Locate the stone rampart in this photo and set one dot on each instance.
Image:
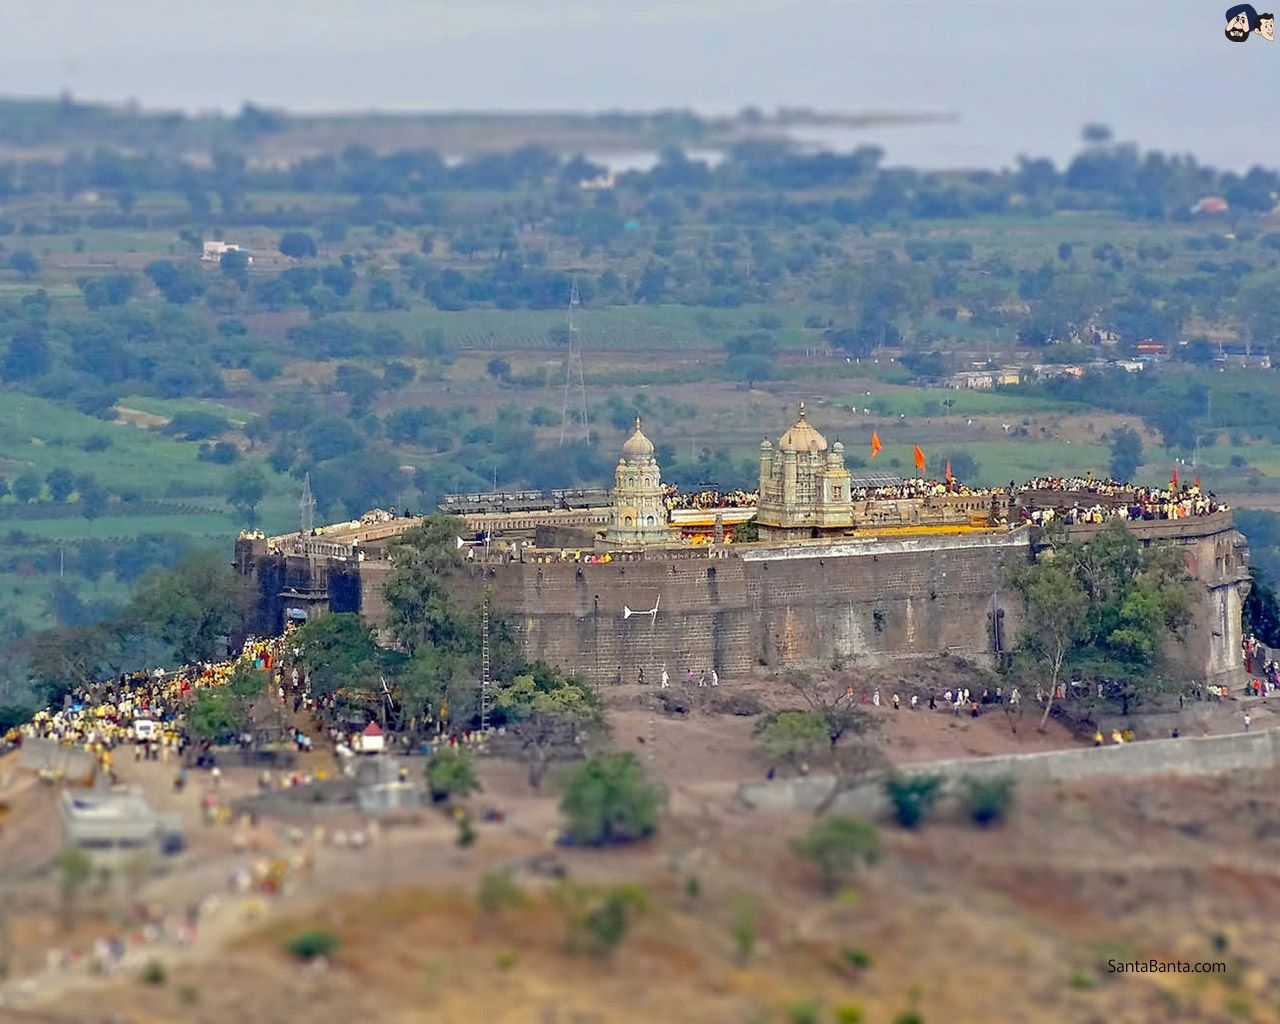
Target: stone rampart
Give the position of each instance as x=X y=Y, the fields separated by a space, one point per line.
x=1211 y=755
x=737 y=608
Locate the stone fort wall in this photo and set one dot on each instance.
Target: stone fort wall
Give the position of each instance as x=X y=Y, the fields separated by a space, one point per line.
x=736 y=610
x=741 y=608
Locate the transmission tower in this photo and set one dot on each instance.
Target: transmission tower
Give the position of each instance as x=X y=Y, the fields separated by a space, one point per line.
x=307 y=506
x=573 y=375
x=484 y=666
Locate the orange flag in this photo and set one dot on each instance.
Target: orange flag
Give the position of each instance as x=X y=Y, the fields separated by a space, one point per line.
x=950 y=478
x=875 y=444
x=1173 y=480
x=919 y=459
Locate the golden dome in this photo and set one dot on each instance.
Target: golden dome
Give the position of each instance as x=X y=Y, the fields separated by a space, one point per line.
x=637 y=447
x=802 y=437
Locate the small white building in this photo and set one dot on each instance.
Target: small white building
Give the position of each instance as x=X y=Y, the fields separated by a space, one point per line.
x=371 y=741
x=214 y=251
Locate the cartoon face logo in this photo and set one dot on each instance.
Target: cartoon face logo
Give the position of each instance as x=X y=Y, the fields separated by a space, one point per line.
x=1267 y=27
x=1241 y=19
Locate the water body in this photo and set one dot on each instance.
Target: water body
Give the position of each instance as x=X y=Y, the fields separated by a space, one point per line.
x=1022 y=77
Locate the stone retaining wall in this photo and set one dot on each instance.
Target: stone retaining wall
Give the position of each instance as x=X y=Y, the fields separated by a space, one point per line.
x=1211 y=755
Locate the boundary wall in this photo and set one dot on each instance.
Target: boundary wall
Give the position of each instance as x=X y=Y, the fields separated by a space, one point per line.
x=1186 y=756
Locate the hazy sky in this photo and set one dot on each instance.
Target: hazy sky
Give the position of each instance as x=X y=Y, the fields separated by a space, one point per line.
x=1023 y=77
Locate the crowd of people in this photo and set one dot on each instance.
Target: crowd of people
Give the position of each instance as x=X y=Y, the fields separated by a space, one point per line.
x=674 y=499
x=1111 y=498
x=145 y=709
x=1141 y=504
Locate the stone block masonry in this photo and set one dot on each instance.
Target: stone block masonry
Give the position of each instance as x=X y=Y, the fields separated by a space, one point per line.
x=738 y=609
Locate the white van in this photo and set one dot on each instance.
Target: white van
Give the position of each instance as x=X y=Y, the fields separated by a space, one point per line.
x=145 y=730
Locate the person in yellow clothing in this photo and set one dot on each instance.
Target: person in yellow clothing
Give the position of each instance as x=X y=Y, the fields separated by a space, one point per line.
x=1097 y=738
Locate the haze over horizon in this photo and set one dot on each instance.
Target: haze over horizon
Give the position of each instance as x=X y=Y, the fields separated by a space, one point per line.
x=1021 y=78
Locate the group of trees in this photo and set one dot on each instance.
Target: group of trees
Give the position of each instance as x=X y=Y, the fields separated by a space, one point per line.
x=1105 y=612
x=433 y=670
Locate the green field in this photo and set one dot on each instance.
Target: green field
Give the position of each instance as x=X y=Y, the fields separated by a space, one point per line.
x=170 y=407
x=612 y=328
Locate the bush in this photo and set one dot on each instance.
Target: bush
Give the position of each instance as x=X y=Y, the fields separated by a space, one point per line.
x=912 y=797
x=450 y=775
x=808 y=1012
x=857 y=957
x=849 y=1013
x=837 y=847
x=498 y=891
x=610 y=800
x=987 y=801
x=310 y=945
x=746 y=926
x=154 y=973
x=597 y=920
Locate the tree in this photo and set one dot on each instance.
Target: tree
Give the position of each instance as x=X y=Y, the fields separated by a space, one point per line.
x=608 y=800
x=419 y=609
x=597 y=919
x=337 y=650
x=912 y=797
x=834 y=709
x=216 y=716
x=1055 y=606
x=987 y=801
x=837 y=847
x=27 y=356
x=246 y=487
x=62 y=659
x=24 y=263
x=93 y=500
x=792 y=736
x=27 y=487
x=1120 y=609
x=1262 y=611
x=1094 y=134
x=194 y=607
x=359 y=385
x=549 y=715
x=234 y=263
x=833 y=705
x=297 y=244
x=963 y=465
x=450 y=775
x=179 y=283
x=1126 y=453
x=61 y=482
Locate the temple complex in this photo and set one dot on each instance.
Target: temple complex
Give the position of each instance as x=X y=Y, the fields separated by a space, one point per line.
x=818 y=564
